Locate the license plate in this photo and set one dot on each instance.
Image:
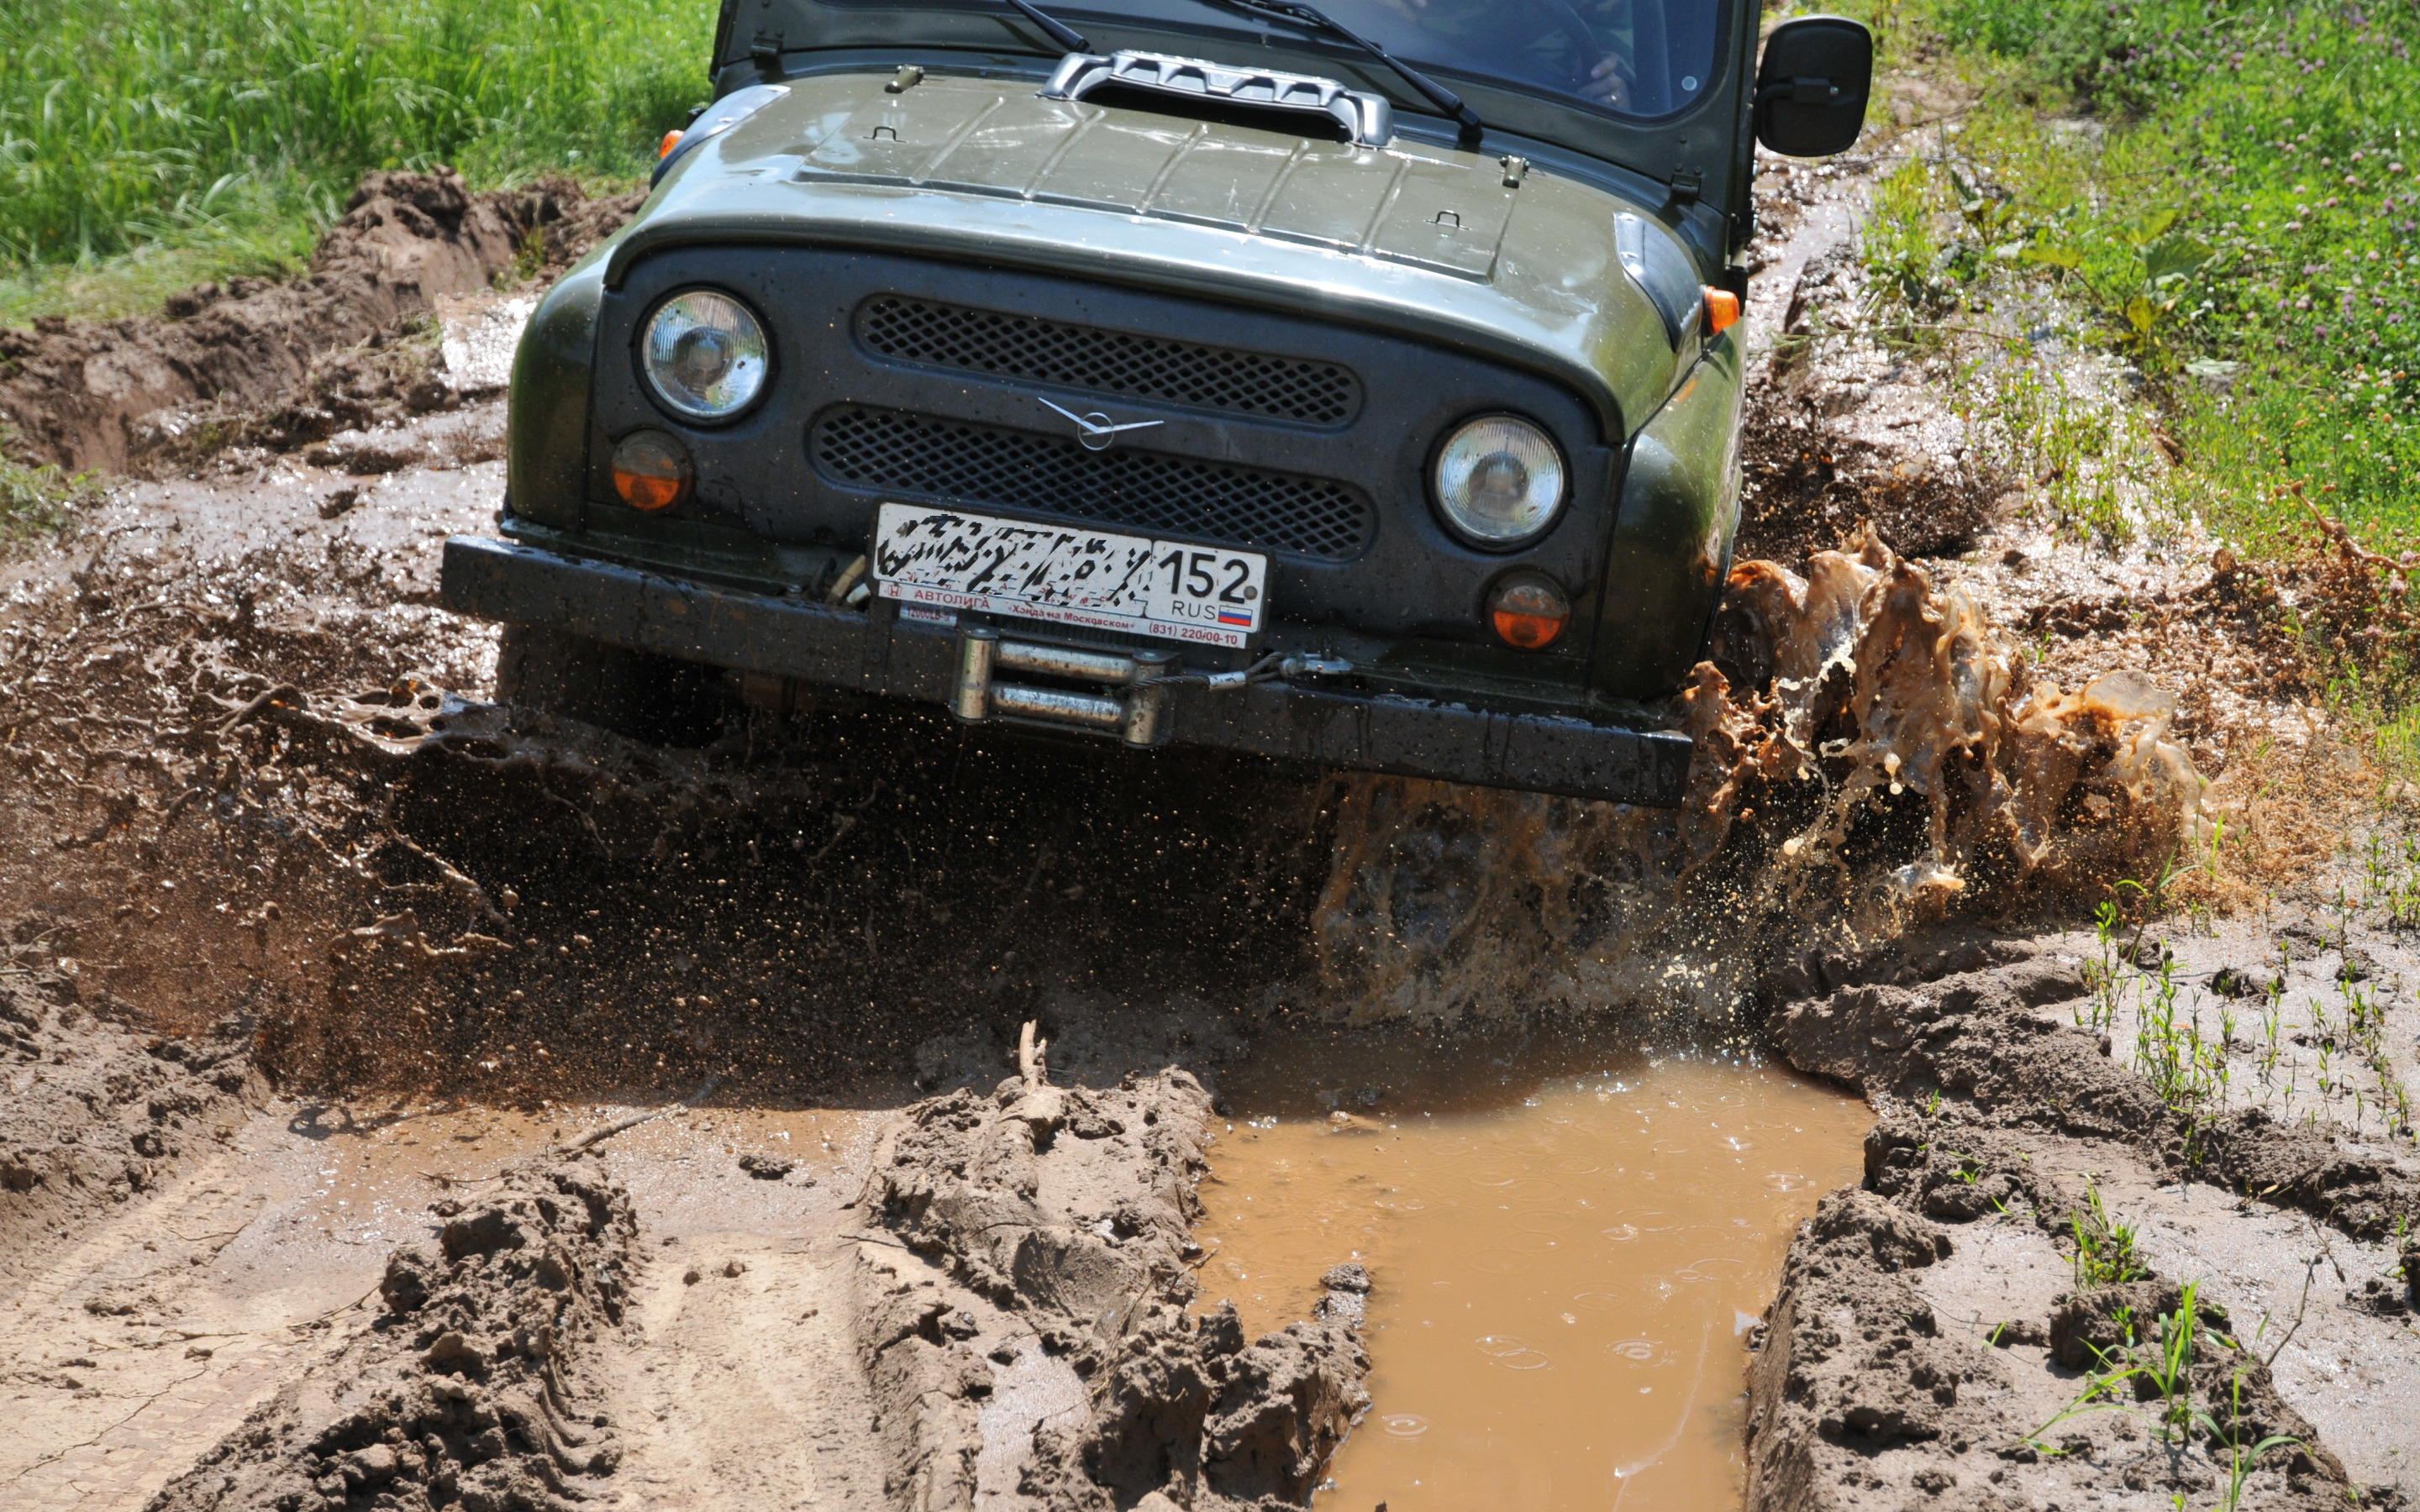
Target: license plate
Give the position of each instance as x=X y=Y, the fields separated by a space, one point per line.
x=1066 y=575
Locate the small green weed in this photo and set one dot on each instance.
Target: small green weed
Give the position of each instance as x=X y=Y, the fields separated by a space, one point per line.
x=2105 y=1251
x=2239 y=1461
x=2161 y=1367
x=38 y=501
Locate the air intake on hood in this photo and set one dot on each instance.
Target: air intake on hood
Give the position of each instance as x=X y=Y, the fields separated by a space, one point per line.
x=1218 y=91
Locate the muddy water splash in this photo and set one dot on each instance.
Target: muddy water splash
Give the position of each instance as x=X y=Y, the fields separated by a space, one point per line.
x=1870 y=753
x=1566 y=1254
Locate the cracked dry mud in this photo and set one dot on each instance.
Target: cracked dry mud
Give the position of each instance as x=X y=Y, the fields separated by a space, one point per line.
x=313 y=962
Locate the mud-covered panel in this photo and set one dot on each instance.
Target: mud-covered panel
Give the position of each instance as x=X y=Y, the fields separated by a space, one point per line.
x=1672 y=539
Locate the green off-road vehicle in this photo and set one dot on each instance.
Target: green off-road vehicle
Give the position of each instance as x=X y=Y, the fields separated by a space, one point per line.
x=1355 y=386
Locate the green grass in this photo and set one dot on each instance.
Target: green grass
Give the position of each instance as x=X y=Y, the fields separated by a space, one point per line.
x=2221 y=200
x=271 y=245
x=2229 y=195
x=147 y=143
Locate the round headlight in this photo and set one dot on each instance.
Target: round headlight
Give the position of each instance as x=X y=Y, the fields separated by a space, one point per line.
x=706 y=355
x=1499 y=482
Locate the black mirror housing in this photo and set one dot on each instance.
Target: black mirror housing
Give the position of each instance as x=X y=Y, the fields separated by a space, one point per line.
x=1812 y=87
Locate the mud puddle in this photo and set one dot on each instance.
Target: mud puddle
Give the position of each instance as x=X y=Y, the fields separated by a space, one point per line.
x=1568 y=1245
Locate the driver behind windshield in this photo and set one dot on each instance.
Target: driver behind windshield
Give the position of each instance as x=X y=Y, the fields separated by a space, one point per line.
x=1640 y=58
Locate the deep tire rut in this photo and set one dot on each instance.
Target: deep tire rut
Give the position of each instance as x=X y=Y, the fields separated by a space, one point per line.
x=165 y=1358
x=716 y=1389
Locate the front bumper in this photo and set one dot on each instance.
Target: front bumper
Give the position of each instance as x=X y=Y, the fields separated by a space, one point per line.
x=879 y=654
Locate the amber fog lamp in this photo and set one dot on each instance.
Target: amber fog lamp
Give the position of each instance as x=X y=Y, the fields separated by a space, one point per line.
x=1530 y=611
x=651 y=470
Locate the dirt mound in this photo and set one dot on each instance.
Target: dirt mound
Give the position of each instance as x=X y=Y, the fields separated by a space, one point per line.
x=97 y=1112
x=470 y=1390
x=1046 y=1261
x=1998 y=1107
x=309 y=357
x=1992 y=1038
x=1858 y=1399
x=2295 y=1165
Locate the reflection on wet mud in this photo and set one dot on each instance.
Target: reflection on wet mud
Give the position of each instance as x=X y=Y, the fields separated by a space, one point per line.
x=369 y=1180
x=1567 y=1247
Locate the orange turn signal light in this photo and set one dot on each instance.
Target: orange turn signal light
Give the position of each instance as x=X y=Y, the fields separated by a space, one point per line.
x=651 y=470
x=1530 y=611
x=1722 y=311
x=671 y=140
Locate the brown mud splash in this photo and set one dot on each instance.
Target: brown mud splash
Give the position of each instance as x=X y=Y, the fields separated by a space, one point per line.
x=286 y=363
x=1870 y=754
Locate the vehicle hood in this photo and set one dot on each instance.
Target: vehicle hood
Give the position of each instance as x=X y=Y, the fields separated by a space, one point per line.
x=1512 y=261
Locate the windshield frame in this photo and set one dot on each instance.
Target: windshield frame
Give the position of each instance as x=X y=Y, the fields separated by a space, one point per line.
x=993 y=26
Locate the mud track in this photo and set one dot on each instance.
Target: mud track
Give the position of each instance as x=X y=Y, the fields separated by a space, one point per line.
x=318 y=968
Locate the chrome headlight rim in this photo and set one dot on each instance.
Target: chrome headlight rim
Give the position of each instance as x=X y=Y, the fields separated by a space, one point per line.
x=1480 y=540
x=671 y=399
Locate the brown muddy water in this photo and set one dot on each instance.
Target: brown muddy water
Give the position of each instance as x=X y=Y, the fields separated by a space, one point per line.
x=1568 y=1249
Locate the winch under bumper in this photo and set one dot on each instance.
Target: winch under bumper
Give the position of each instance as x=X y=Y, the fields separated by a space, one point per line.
x=1136 y=698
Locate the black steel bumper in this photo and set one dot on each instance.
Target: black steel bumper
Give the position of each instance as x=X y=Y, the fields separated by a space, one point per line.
x=878 y=653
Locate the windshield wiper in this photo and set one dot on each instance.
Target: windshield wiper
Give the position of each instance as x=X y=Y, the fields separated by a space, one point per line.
x=1445 y=99
x=1056 y=30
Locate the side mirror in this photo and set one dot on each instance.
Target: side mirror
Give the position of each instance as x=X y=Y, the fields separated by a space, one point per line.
x=1810 y=89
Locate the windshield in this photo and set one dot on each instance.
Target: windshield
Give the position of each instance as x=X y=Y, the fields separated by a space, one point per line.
x=1633 y=58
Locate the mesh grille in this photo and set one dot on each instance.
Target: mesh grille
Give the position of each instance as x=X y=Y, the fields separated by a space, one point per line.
x=974 y=465
x=1108 y=362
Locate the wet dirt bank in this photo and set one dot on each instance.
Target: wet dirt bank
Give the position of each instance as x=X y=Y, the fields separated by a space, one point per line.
x=1943 y=1323
x=280 y=364
x=980 y=1298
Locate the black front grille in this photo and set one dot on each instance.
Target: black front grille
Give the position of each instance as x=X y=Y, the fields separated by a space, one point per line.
x=1108 y=362
x=856 y=447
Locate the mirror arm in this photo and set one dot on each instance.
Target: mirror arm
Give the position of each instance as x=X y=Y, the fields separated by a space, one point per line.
x=1801 y=91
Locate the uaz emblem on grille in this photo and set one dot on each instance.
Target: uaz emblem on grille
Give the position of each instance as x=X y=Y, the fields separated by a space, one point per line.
x=1095 y=431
